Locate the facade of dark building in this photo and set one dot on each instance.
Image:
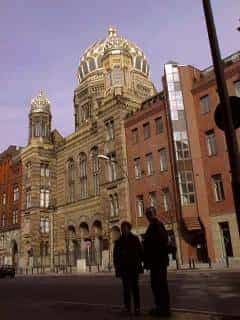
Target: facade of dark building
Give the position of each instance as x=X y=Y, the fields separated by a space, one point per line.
x=10 y=205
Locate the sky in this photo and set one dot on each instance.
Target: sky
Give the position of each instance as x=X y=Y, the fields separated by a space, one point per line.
x=41 y=43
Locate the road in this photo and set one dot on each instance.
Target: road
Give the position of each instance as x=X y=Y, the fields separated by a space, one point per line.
x=57 y=297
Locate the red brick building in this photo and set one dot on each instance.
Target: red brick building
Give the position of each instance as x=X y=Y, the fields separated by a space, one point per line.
x=197 y=161
x=149 y=164
x=10 y=205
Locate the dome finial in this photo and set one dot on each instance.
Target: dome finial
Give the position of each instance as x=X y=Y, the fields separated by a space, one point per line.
x=112 y=31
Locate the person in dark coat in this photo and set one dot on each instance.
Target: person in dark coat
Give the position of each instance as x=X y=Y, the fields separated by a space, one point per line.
x=127 y=257
x=155 y=245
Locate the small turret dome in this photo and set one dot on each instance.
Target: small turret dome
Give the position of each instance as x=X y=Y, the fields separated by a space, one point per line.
x=40 y=104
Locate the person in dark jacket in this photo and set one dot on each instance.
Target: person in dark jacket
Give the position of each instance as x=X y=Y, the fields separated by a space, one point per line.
x=127 y=256
x=155 y=245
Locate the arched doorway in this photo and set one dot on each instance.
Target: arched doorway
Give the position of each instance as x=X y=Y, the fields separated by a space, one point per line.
x=72 y=247
x=14 y=249
x=85 y=242
x=97 y=243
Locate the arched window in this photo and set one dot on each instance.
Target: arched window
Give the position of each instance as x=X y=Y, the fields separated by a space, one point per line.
x=99 y=61
x=85 y=111
x=112 y=208
x=71 y=175
x=85 y=67
x=138 y=62
x=95 y=170
x=117 y=76
x=144 y=66
x=80 y=72
x=91 y=63
x=114 y=205
x=83 y=175
x=38 y=129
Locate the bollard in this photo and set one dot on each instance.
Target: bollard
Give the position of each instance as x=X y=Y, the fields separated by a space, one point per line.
x=193 y=263
x=190 y=264
x=227 y=261
x=209 y=263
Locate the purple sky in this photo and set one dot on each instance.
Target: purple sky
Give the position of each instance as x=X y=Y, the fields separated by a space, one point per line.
x=41 y=43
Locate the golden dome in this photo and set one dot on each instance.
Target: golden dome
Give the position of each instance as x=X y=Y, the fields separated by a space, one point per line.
x=91 y=60
x=40 y=103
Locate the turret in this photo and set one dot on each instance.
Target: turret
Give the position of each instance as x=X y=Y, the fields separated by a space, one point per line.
x=40 y=119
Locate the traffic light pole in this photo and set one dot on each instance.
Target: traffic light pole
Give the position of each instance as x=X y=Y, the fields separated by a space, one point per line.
x=229 y=130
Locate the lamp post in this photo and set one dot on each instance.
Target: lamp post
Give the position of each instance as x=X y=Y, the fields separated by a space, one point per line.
x=230 y=133
x=66 y=245
x=169 y=209
x=125 y=174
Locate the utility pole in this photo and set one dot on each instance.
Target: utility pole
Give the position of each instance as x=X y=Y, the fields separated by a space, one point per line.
x=229 y=130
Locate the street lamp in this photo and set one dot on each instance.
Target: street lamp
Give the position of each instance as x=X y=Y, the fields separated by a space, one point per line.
x=125 y=173
x=66 y=245
x=230 y=133
x=169 y=208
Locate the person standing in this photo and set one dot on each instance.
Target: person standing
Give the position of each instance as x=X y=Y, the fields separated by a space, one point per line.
x=127 y=258
x=155 y=245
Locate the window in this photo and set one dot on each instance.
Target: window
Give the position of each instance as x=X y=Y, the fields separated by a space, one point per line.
x=44 y=225
x=15 y=217
x=44 y=198
x=218 y=187
x=149 y=159
x=140 y=206
x=204 y=104
x=28 y=198
x=237 y=88
x=163 y=159
x=110 y=134
x=137 y=166
x=85 y=112
x=112 y=208
x=159 y=125
x=15 y=193
x=153 y=199
x=166 y=199
x=71 y=178
x=95 y=170
x=3 y=220
x=83 y=175
x=186 y=187
x=117 y=76
x=4 y=199
x=28 y=170
x=114 y=205
x=146 y=130
x=44 y=170
x=211 y=142
x=135 y=136
x=112 y=172
x=71 y=170
x=181 y=145
x=38 y=129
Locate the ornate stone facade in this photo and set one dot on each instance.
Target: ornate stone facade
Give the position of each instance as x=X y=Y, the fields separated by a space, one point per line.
x=72 y=197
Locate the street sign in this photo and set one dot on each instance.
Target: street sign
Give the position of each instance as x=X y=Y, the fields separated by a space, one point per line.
x=235 y=107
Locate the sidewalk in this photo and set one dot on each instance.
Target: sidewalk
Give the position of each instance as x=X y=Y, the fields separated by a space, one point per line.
x=90 y=312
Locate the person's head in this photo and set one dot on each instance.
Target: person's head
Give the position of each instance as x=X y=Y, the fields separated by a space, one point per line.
x=126 y=228
x=151 y=214
x=116 y=233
